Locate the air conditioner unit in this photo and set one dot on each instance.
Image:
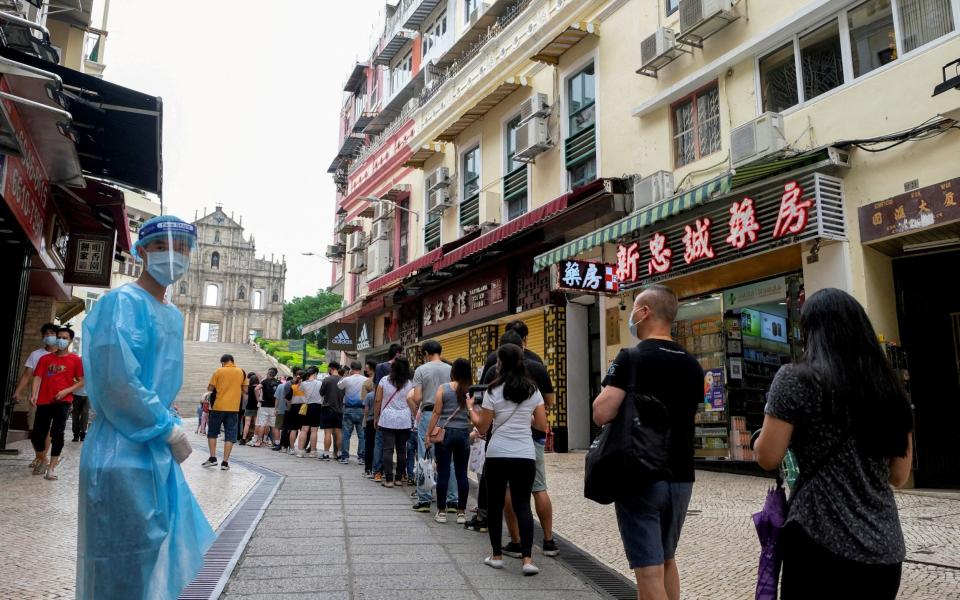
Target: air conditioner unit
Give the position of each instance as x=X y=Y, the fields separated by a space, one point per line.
x=356 y=242
x=438 y=200
x=379 y=259
x=334 y=252
x=490 y=209
x=757 y=139
x=380 y=211
x=357 y=262
x=658 y=49
x=533 y=137
x=438 y=178
x=700 y=19
x=534 y=106
x=382 y=229
x=652 y=189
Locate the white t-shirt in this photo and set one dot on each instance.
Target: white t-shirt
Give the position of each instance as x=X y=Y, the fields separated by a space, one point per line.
x=351 y=386
x=394 y=411
x=34 y=358
x=511 y=425
x=311 y=391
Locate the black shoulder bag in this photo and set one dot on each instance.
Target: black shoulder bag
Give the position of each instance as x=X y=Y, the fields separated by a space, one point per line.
x=630 y=451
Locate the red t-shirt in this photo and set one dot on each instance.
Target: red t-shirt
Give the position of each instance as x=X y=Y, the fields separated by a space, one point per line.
x=57 y=373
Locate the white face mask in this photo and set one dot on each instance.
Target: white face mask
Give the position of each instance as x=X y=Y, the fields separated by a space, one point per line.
x=167 y=267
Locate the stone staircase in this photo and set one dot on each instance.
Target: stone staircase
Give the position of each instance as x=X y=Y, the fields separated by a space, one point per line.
x=201 y=359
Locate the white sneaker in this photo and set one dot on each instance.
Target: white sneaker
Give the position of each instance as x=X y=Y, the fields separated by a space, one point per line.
x=441 y=517
x=461 y=518
x=530 y=569
x=290 y=451
x=493 y=563
x=301 y=454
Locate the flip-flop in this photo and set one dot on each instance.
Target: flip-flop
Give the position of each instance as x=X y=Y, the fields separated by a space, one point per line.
x=50 y=477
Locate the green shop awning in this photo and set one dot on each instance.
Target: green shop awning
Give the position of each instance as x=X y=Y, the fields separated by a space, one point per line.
x=618 y=229
x=756 y=171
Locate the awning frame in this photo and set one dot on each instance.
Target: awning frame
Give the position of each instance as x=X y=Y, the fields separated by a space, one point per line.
x=479 y=109
x=551 y=52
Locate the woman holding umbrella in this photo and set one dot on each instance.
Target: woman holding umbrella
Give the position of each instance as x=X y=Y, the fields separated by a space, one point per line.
x=844 y=414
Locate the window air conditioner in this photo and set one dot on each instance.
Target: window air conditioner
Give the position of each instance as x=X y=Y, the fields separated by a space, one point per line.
x=534 y=106
x=757 y=139
x=652 y=189
x=490 y=207
x=438 y=178
x=380 y=211
x=658 y=49
x=382 y=229
x=703 y=18
x=356 y=242
x=533 y=137
x=379 y=259
x=438 y=200
x=357 y=262
x=335 y=252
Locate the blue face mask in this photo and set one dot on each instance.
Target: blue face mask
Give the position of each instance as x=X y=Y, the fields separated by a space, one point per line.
x=62 y=344
x=632 y=326
x=50 y=340
x=167 y=267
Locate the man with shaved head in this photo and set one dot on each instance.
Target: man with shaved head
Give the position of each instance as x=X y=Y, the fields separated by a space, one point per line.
x=650 y=521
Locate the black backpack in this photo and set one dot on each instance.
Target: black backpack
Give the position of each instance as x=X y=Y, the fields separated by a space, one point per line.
x=630 y=451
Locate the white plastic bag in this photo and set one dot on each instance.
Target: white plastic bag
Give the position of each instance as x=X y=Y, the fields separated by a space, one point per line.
x=425 y=473
x=478 y=454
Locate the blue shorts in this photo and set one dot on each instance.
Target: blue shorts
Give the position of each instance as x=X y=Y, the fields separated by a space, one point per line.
x=230 y=421
x=650 y=523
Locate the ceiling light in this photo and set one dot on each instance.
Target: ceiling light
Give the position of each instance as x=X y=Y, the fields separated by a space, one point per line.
x=6 y=231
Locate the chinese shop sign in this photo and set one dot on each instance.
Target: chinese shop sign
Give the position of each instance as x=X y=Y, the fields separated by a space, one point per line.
x=468 y=301
x=89 y=259
x=919 y=209
x=787 y=213
x=585 y=276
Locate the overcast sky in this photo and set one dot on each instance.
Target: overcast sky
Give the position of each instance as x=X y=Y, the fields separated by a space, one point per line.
x=251 y=93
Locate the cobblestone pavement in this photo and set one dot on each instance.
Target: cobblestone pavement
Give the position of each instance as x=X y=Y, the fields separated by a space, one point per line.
x=331 y=534
x=718 y=548
x=38 y=519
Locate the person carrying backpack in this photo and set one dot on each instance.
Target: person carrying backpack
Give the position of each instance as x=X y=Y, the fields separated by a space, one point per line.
x=650 y=514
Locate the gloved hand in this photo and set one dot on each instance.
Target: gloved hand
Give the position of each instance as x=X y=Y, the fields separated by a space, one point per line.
x=179 y=444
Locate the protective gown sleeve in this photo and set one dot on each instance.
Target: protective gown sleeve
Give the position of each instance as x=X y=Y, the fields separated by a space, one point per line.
x=118 y=330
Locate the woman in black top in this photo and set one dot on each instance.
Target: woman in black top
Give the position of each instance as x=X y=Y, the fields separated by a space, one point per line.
x=250 y=408
x=845 y=415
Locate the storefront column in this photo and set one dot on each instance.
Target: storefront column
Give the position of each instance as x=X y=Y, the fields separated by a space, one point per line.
x=833 y=268
x=556 y=363
x=578 y=372
x=483 y=341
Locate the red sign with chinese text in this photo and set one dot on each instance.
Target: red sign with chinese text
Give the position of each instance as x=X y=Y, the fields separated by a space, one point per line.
x=24 y=181
x=468 y=301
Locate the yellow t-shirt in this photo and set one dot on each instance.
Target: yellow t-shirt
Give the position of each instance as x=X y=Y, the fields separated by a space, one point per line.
x=229 y=382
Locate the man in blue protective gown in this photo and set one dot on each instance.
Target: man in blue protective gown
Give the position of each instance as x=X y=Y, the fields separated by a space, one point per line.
x=141 y=533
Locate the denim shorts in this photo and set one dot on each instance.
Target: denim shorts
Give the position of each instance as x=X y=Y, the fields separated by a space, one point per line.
x=650 y=523
x=229 y=420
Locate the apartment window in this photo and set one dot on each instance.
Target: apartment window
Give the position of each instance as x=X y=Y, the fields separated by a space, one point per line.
x=355 y=288
x=672 y=6
x=470 y=6
x=215 y=260
x=431 y=231
x=470 y=199
x=403 y=232
x=580 y=147
x=400 y=75
x=696 y=126
x=434 y=33
x=515 y=182
x=873 y=40
x=923 y=21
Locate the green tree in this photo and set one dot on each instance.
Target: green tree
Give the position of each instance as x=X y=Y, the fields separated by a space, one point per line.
x=306 y=310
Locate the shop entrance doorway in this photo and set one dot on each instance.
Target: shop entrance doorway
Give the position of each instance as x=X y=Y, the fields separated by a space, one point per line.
x=929 y=319
x=596 y=368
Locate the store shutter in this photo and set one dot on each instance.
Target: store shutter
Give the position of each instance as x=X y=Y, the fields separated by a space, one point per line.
x=535 y=338
x=456 y=347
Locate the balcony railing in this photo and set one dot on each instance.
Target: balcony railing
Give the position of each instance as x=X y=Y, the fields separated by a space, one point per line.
x=470 y=53
x=378 y=141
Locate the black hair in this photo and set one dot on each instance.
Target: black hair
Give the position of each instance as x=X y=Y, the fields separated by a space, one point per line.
x=510 y=336
x=254 y=380
x=520 y=327
x=355 y=365
x=858 y=384
x=512 y=375
x=296 y=371
x=226 y=358
x=333 y=366
x=271 y=372
x=311 y=371
x=431 y=347
x=400 y=372
x=49 y=327
x=395 y=349
x=66 y=330
x=462 y=373
x=372 y=364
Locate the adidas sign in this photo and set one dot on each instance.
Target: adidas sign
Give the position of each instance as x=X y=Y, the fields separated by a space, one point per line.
x=343 y=339
x=363 y=340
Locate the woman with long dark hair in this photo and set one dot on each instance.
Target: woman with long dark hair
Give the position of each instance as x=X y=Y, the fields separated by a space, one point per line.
x=844 y=413
x=510 y=403
x=251 y=406
x=393 y=416
x=450 y=415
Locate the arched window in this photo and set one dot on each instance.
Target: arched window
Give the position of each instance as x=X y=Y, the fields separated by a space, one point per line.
x=216 y=236
x=276 y=296
x=183 y=287
x=212 y=295
x=241 y=293
x=258 y=300
x=215 y=260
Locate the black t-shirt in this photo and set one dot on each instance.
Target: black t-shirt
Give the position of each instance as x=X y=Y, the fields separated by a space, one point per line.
x=491 y=365
x=668 y=372
x=251 y=397
x=269 y=392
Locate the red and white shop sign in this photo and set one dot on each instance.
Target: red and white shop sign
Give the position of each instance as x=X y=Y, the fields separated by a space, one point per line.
x=24 y=184
x=738 y=225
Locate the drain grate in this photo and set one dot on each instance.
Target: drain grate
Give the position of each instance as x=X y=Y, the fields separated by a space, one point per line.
x=611 y=584
x=232 y=537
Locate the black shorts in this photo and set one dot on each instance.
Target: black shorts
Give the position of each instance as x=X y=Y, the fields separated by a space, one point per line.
x=292 y=419
x=330 y=419
x=313 y=416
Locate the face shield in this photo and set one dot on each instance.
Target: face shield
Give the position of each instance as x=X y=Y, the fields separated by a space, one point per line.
x=167 y=243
